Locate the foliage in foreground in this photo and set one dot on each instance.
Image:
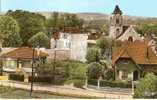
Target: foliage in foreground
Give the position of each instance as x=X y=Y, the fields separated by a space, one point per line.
x=147 y=85
x=65 y=69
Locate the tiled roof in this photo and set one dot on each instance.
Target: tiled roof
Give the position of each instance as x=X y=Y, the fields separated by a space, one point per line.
x=23 y=53
x=72 y=30
x=139 y=51
x=60 y=54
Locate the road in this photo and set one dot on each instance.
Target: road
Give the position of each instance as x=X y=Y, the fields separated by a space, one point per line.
x=69 y=91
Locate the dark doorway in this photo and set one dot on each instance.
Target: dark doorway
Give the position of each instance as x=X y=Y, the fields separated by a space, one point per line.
x=135 y=75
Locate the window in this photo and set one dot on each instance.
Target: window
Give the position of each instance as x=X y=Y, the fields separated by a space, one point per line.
x=130 y=39
x=117 y=21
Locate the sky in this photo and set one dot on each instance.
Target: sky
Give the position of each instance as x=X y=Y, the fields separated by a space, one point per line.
x=147 y=8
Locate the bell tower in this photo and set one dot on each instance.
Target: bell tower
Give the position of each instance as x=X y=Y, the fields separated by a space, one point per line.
x=116 y=23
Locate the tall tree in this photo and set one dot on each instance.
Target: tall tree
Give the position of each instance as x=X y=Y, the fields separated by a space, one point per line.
x=39 y=39
x=14 y=40
x=29 y=23
x=8 y=27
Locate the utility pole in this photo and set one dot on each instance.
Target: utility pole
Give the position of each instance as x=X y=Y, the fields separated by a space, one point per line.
x=32 y=77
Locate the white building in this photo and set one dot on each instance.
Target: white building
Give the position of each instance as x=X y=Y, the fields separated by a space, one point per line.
x=74 y=43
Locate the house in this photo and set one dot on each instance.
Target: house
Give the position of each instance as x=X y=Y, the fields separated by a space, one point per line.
x=119 y=28
x=72 y=41
x=20 y=59
x=133 y=59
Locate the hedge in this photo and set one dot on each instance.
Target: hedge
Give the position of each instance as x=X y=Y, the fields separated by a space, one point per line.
x=92 y=81
x=77 y=83
x=115 y=84
x=16 y=77
x=45 y=79
x=105 y=83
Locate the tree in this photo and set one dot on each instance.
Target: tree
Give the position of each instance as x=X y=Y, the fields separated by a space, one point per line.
x=106 y=44
x=8 y=26
x=40 y=39
x=64 y=20
x=104 y=29
x=95 y=70
x=93 y=55
x=29 y=23
x=146 y=86
x=14 y=40
x=147 y=29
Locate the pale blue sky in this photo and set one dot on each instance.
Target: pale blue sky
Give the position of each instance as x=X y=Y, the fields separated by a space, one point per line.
x=129 y=7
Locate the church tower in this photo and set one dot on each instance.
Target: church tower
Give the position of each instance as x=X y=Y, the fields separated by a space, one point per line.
x=116 y=23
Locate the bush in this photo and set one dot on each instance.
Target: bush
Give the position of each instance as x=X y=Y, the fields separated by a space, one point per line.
x=45 y=79
x=121 y=84
x=77 y=83
x=95 y=70
x=104 y=83
x=93 y=55
x=92 y=81
x=148 y=84
x=16 y=77
x=109 y=75
x=74 y=69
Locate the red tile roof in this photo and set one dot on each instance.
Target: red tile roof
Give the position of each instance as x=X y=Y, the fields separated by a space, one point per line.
x=139 y=51
x=23 y=53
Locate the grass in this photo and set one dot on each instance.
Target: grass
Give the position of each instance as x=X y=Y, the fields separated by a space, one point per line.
x=15 y=93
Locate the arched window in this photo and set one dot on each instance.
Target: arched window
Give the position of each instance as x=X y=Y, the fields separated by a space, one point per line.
x=130 y=39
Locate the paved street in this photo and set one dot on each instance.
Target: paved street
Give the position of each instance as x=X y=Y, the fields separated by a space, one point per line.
x=66 y=90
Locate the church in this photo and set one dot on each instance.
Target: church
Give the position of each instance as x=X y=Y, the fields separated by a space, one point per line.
x=118 y=29
x=136 y=56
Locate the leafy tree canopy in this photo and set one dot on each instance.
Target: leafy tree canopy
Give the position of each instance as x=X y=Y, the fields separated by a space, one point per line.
x=93 y=55
x=40 y=39
x=95 y=70
x=14 y=40
x=29 y=23
x=64 y=20
x=8 y=26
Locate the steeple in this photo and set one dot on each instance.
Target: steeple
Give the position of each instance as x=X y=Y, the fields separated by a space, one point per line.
x=117 y=10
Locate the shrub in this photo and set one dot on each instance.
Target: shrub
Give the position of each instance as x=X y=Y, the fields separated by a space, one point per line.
x=95 y=70
x=92 y=81
x=109 y=75
x=16 y=77
x=105 y=83
x=148 y=84
x=77 y=83
x=45 y=79
x=121 y=84
x=93 y=55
